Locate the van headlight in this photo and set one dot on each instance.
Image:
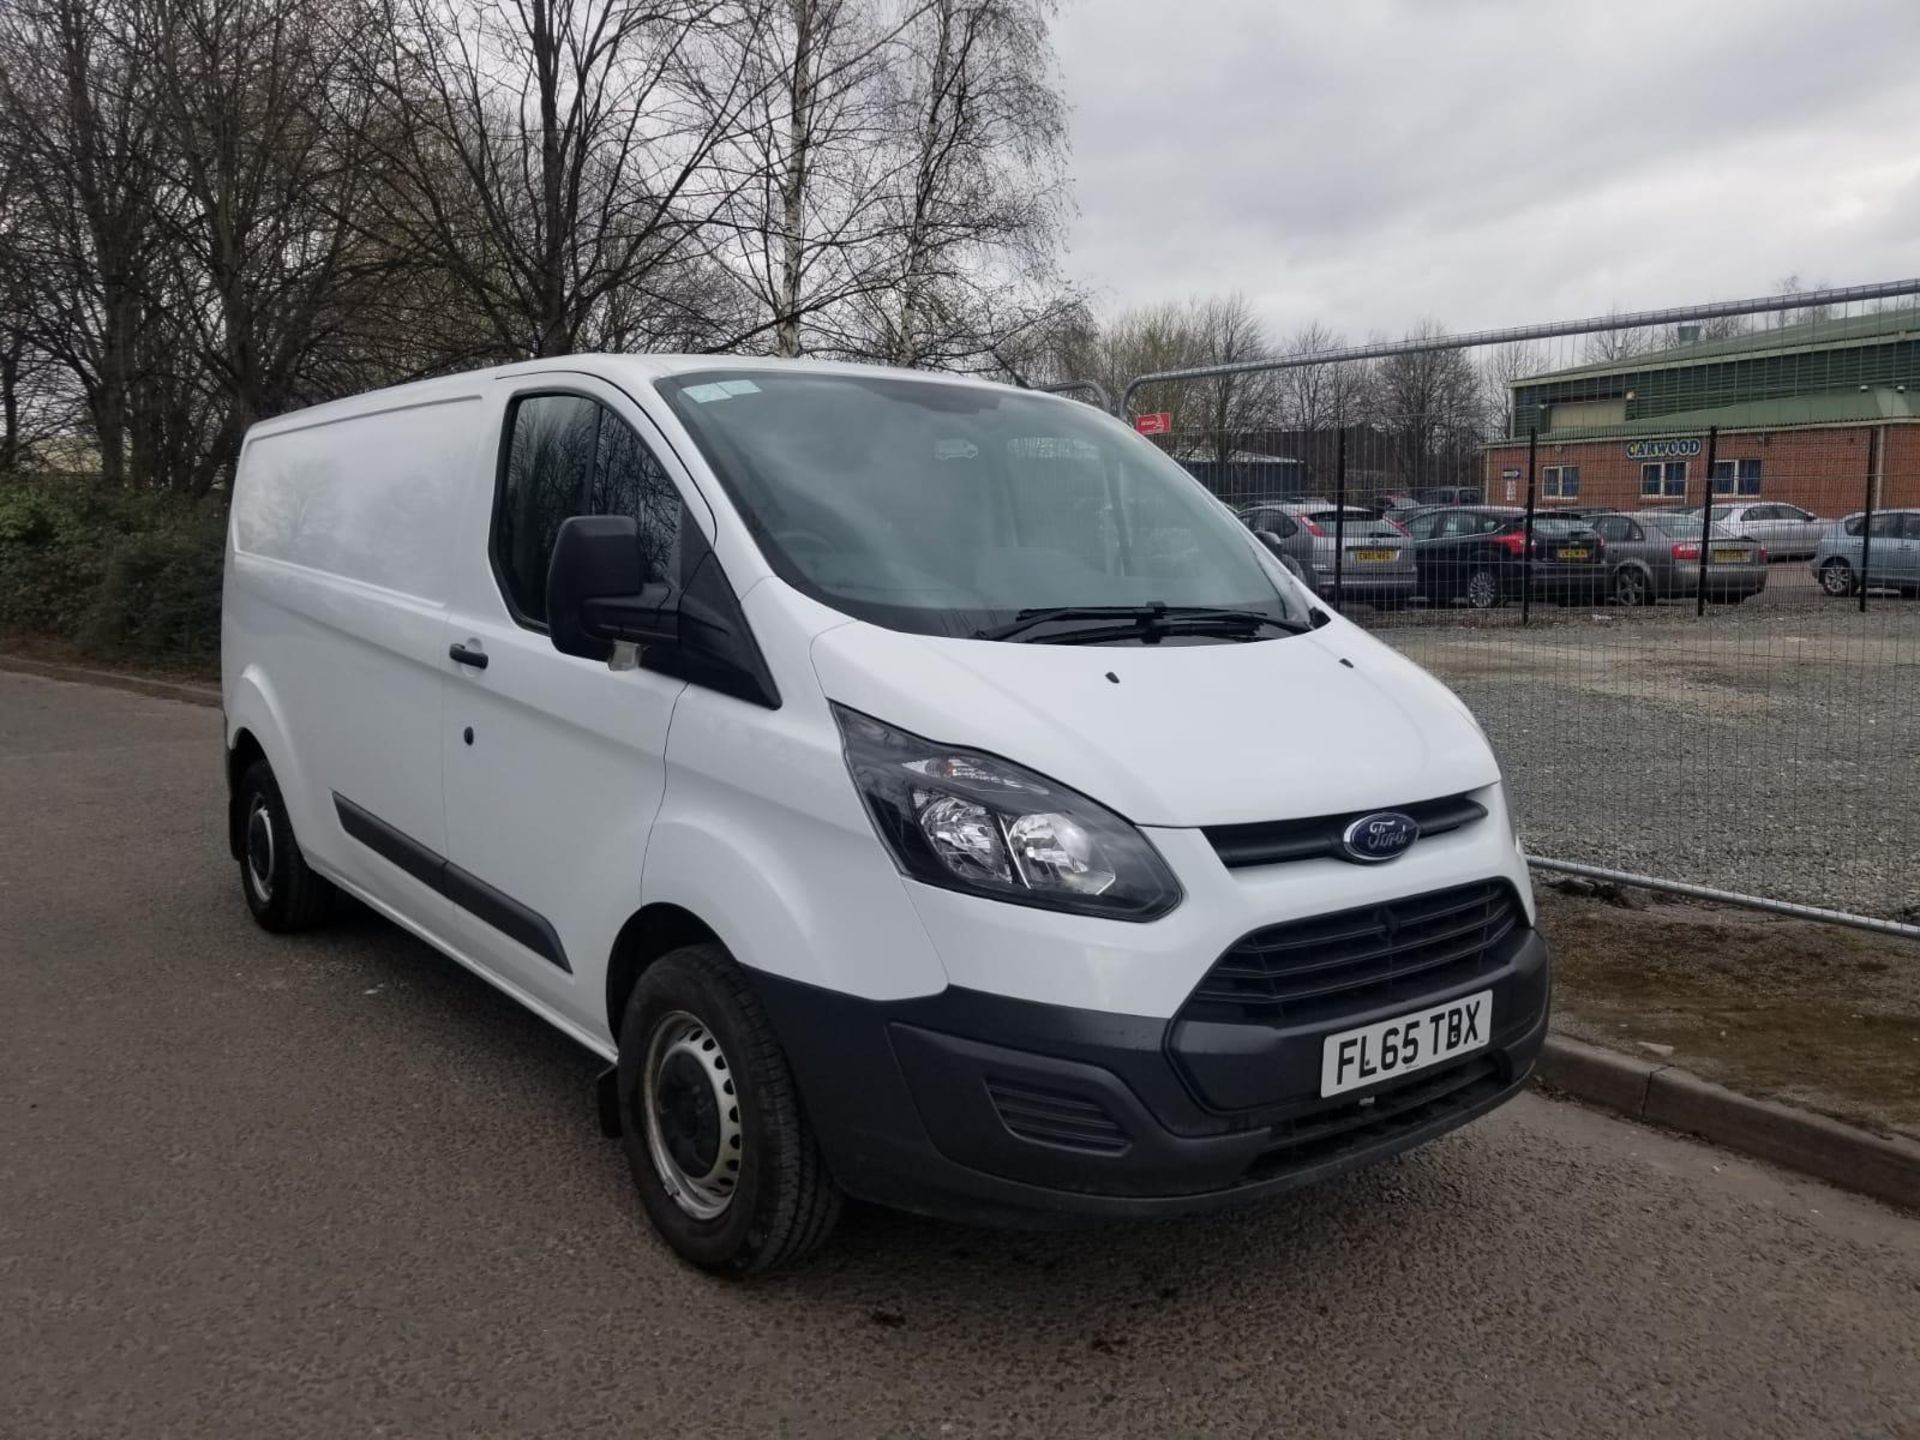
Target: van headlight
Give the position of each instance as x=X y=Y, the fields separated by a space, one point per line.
x=970 y=822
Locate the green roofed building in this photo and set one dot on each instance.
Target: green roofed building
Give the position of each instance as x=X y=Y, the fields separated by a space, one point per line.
x=1808 y=414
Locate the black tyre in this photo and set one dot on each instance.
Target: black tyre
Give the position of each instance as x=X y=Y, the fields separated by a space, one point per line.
x=1482 y=590
x=1836 y=577
x=1632 y=587
x=727 y=1167
x=283 y=893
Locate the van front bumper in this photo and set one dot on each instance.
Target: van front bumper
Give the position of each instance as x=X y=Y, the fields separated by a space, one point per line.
x=994 y=1110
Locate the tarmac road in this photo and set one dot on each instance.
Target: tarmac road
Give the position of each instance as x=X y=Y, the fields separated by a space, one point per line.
x=335 y=1186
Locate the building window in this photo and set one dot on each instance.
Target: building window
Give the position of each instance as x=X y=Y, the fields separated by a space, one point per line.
x=1667 y=478
x=1736 y=477
x=1560 y=481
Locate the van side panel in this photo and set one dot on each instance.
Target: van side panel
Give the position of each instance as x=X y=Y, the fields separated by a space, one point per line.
x=336 y=615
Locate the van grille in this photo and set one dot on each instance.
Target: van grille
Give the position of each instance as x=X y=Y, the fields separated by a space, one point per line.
x=1348 y=961
x=1276 y=842
x=1053 y=1117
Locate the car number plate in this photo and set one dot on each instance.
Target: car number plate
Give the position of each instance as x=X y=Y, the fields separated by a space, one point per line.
x=1729 y=557
x=1385 y=557
x=1373 y=1053
x=1576 y=552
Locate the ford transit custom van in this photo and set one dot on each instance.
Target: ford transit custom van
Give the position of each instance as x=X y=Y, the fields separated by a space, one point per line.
x=915 y=788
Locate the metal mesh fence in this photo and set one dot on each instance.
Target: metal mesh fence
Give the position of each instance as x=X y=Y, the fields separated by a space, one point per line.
x=1673 y=568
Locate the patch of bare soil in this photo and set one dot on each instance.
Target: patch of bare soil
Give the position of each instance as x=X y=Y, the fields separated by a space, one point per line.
x=1812 y=1015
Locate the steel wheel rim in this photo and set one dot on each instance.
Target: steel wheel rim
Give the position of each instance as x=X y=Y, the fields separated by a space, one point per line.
x=692 y=1116
x=260 y=848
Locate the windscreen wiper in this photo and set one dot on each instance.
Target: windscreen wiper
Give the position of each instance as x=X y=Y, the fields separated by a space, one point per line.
x=1111 y=621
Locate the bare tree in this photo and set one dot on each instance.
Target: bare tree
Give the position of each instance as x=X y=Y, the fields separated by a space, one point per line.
x=800 y=222
x=77 y=131
x=554 y=154
x=1501 y=368
x=1611 y=346
x=269 y=163
x=975 y=203
x=1430 y=406
x=1229 y=333
x=1322 y=396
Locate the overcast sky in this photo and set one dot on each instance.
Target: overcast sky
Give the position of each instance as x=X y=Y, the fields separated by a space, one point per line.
x=1369 y=163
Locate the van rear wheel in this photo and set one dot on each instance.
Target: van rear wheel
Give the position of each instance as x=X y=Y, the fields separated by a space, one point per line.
x=726 y=1164
x=282 y=891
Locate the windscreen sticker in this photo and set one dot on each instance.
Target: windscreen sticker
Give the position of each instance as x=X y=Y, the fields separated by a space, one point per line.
x=955 y=450
x=719 y=390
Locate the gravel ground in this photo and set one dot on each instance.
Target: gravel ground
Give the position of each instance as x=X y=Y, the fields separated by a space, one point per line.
x=334 y=1185
x=1772 y=748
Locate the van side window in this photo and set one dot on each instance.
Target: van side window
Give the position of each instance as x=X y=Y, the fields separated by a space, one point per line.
x=569 y=456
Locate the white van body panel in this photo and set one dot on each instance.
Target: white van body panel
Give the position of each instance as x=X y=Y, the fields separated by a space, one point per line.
x=341 y=564
x=1180 y=735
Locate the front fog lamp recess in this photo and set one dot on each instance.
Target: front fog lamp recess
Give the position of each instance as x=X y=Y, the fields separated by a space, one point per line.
x=978 y=824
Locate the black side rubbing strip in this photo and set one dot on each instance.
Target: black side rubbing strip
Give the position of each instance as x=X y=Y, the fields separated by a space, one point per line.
x=389 y=844
x=469 y=892
x=505 y=914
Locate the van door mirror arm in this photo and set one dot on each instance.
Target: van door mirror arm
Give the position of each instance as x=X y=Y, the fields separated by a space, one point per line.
x=649 y=617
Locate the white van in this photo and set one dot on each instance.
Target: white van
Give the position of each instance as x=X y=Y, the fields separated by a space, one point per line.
x=918 y=789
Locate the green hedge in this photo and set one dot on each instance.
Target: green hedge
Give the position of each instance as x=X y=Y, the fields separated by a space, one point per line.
x=115 y=572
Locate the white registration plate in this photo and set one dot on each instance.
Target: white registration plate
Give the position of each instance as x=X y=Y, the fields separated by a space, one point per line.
x=1373 y=1053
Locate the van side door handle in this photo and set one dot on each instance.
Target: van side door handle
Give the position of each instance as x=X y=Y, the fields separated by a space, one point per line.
x=461 y=655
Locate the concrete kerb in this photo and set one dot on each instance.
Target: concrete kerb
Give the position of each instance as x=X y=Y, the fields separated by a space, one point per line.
x=183 y=690
x=1844 y=1155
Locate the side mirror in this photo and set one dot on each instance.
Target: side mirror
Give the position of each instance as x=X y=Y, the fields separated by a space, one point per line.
x=1271 y=541
x=597 y=591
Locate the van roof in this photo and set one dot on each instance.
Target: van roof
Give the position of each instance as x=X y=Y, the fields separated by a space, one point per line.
x=643 y=369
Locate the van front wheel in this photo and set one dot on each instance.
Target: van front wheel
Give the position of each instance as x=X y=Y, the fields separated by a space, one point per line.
x=728 y=1170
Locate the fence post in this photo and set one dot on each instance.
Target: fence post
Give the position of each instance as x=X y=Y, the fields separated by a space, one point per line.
x=1706 y=518
x=1526 y=556
x=1340 y=519
x=1866 y=523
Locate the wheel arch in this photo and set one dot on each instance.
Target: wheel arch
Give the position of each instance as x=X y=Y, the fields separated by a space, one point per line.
x=650 y=932
x=255 y=730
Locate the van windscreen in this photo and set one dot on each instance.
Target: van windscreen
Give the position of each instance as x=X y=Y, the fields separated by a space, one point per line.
x=948 y=509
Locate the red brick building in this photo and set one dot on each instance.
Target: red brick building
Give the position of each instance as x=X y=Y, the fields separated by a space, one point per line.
x=1800 y=414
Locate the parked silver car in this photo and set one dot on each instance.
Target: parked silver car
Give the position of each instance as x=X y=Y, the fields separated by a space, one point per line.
x=1787 y=531
x=1378 y=565
x=1891 y=560
x=1655 y=555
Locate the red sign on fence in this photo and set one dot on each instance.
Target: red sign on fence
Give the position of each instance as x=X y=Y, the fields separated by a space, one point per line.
x=1158 y=423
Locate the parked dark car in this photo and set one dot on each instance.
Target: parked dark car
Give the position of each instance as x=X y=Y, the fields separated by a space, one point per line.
x=1655 y=555
x=1479 y=554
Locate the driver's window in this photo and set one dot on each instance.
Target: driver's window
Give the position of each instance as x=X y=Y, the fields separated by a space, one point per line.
x=568 y=455
x=628 y=480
